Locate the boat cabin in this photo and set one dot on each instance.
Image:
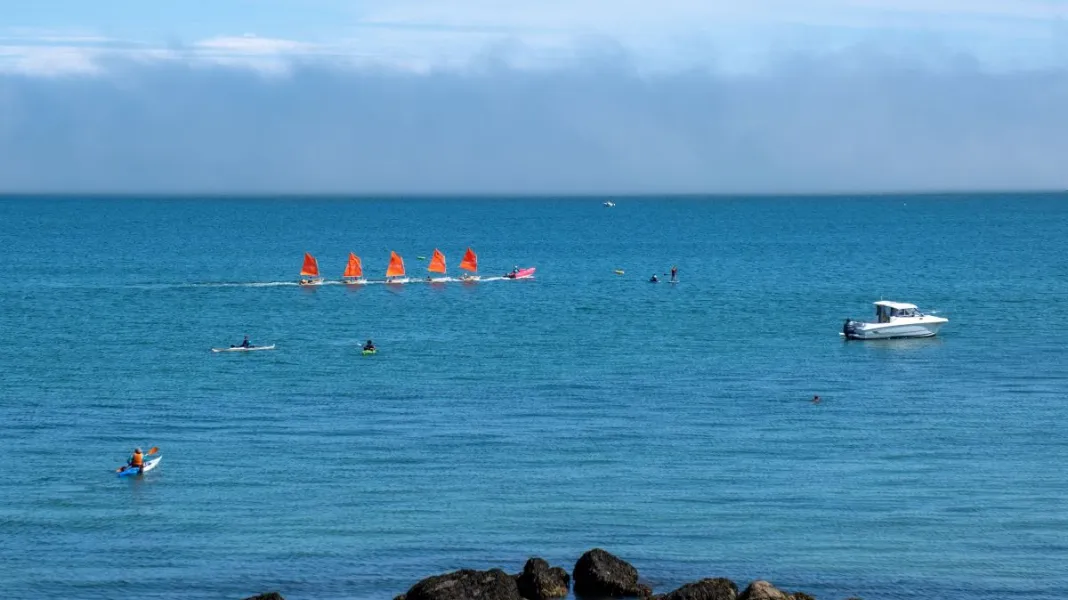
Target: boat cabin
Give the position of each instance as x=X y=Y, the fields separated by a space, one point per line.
x=885 y=310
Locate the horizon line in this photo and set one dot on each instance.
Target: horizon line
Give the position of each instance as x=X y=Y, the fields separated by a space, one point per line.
x=200 y=195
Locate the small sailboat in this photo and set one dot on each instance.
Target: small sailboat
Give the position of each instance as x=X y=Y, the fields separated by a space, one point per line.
x=395 y=271
x=437 y=265
x=470 y=264
x=309 y=273
x=354 y=271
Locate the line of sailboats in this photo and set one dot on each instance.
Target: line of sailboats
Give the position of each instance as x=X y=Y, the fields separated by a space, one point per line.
x=395 y=274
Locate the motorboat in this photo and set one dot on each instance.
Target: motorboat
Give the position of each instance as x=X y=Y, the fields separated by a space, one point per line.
x=518 y=273
x=609 y=204
x=894 y=320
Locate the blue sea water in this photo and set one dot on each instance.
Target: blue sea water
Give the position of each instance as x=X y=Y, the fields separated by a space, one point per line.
x=668 y=424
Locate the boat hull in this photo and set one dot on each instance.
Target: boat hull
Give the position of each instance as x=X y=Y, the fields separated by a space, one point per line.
x=360 y=281
x=917 y=328
x=310 y=282
x=397 y=281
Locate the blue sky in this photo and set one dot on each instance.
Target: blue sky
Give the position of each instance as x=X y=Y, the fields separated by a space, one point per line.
x=528 y=97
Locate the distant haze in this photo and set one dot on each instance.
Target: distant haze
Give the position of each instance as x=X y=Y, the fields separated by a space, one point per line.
x=475 y=103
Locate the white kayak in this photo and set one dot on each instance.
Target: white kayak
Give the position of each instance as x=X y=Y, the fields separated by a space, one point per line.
x=148 y=466
x=241 y=349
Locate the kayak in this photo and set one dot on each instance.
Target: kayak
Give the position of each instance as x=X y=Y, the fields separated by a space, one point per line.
x=148 y=466
x=369 y=352
x=240 y=349
x=521 y=274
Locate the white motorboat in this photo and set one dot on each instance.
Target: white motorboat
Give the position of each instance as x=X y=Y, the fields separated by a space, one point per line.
x=894 y=320
x=609 y=204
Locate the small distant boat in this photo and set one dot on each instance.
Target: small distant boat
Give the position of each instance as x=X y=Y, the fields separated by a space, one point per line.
x=395 y=270
x=370 y=352
x=353 y=271
x=135 y=471
x=609 y=204
x=437 y=265
x=309 y=273
x=521 y=273
x=618 y=271
x=243 y=348
x=894 y=320
x=147 y=465
x=470 y=264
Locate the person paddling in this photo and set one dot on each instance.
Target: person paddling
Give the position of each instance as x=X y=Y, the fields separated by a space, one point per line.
x=137 y=461
x=653 y=279
x=246 y=343
x=674 y=273
x=369 y=346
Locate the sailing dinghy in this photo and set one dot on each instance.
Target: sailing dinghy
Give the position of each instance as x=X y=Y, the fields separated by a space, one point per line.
x=470 y=264
x=309 y=273
x=395 y=271
x=437 y=265
x=354 y=271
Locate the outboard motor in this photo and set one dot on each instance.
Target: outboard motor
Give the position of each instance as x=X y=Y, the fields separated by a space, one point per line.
x=849 y=330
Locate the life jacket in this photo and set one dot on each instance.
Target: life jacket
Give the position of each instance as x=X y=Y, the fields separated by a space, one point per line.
x=137 y=460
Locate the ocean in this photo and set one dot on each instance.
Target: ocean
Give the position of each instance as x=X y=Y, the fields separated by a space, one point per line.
x=669 y=424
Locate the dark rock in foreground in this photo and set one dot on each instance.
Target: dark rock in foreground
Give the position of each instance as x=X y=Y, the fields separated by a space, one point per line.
x=539 y=581
x=599 y=574
x=706 y=589
x=466 y=584
x=267 y=596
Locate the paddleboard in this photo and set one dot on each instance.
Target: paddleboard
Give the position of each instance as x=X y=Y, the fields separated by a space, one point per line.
x=148 y=466
x=369 y=352
x=240 y=349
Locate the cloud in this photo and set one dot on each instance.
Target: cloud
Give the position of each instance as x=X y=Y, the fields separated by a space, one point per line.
x=858 y=119
x=672 y=35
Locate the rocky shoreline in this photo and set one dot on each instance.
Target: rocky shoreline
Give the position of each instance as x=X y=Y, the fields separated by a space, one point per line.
x=597 y=575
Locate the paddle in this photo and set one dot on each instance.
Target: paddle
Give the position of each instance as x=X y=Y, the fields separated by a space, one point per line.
x=151 y=451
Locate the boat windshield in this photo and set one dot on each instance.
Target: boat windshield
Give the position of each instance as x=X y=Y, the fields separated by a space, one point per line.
x=885 y=313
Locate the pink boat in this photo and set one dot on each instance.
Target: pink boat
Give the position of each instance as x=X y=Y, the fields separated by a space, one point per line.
x=521 y=274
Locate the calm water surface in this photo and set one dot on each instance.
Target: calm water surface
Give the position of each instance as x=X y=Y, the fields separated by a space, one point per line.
x=668 y=424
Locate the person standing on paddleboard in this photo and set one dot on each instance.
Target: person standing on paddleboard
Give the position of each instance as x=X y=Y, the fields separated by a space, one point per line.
x=674 y=273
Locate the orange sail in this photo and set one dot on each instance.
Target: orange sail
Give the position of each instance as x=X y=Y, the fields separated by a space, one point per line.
x=354 y=268
x=311 y=266
x=437 y=262
x=470 y=261
x=396 y=265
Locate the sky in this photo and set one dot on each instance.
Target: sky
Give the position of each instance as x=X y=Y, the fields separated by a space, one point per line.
x=546 y=96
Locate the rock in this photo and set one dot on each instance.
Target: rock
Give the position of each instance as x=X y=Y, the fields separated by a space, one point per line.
x=267 y=596
x=599 y=574
x=539 y=581
x=466 y=584
x=706 y=589
x=762 y=590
